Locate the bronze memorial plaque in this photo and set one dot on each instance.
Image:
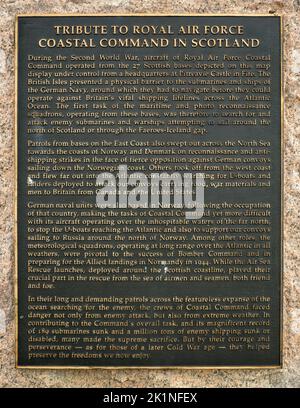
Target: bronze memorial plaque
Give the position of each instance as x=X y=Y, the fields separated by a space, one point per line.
x=148 y=191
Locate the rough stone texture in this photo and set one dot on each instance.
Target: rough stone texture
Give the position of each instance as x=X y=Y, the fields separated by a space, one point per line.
x=289 y=376
x=2 y=323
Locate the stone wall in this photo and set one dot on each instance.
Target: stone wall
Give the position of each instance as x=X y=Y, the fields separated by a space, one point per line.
x=289 y=376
